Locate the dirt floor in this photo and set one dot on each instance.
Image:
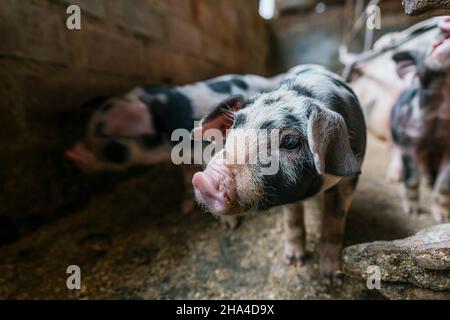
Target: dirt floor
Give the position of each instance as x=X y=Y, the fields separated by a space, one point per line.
x=134 y=244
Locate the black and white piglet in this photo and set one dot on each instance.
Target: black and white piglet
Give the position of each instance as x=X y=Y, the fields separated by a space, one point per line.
x=135 y=129
x=420 y=124
x=322 y=139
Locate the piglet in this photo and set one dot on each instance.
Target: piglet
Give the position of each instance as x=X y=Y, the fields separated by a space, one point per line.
x=420 y=124
x=318 y=126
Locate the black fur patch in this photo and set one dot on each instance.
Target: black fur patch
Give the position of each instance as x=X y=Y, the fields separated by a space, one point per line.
x=241 y=119
x=342 y=85
x=270 y=101
x=402 y=108
x=150 y=140
x=115 y=152
x=406 y=97
x=411 y=174
x=270 y=124
x=240 y=83
x=302 y=91
x=291 y=120
x=220 y=87
x=154 y=89
x=174 y=113
x=278 y=192
x=429 y=77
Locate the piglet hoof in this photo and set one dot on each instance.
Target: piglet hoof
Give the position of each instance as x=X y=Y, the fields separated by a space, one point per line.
x=330 y=264
x=411 y=208
x=335 y=278
x=439 y=213
x=231 y=222
x=188 y=206
x=294 y=255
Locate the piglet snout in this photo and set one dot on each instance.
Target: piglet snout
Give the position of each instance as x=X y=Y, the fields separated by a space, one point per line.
x=211 y=190
x=444 y=24
x=83 y=158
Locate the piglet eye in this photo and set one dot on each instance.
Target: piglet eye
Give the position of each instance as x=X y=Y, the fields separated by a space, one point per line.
x=290 y=142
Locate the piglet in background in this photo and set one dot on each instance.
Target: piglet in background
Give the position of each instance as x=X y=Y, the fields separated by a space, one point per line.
x=322 y=139
x=135 y=129
x=420 y=124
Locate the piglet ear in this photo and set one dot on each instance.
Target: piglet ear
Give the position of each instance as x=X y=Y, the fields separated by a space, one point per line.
x=406 y=62
x=328 y=140
x=221 y=117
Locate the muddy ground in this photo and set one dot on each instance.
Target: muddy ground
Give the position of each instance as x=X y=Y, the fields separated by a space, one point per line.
x=134 y=243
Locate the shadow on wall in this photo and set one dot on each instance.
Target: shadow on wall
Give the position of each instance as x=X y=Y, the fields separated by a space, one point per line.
x=48 y=71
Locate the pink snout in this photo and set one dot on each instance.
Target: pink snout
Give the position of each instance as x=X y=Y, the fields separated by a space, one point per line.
x=444 y=24
x=213 y=188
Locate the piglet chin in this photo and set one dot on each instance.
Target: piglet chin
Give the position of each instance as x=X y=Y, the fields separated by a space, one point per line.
x=213 y=189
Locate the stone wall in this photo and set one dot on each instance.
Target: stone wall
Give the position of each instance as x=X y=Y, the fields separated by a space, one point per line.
x=48 y=71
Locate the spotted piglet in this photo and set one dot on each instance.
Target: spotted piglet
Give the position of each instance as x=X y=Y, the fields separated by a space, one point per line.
x=135 y=128
x=321 y=135
x=420 y=123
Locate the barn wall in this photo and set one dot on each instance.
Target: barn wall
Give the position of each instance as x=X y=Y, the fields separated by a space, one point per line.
x=47 y=72
x=306 y=36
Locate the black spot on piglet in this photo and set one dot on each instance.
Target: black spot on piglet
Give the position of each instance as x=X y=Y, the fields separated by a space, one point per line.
x=270 y=124
x=302 y=91
x=241 y=119
x=220 y=87
x=150 y=140
x=115 y=152
x=240 y=83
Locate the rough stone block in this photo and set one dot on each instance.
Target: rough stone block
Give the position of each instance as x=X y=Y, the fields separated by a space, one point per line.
x=93 y=7
x=114 y=53
x=32 y=31
x=140 y=17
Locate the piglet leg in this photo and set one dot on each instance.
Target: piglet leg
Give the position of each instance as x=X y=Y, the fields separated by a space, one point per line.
x=395 y=168
x=337 y=203
x=411 y=180
x=295 y=235
x=440 y=204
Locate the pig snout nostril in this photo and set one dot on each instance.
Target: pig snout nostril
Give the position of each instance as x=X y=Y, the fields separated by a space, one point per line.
x=208 y=191
x=444 y=25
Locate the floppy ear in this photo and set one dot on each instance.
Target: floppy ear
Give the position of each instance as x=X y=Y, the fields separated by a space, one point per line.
x=221 y=117
x=406 y=62
x=328 y=140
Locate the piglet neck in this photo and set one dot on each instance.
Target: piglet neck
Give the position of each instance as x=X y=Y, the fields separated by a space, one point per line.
x=435 y=102
x=433 y=87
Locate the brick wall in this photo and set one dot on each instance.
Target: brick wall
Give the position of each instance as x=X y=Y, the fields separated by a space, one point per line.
x=47 y=71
